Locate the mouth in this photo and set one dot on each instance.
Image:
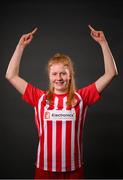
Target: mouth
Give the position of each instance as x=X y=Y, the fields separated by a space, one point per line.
x=59 y=83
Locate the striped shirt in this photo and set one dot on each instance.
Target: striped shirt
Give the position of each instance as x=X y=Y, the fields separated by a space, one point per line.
x=60 y=128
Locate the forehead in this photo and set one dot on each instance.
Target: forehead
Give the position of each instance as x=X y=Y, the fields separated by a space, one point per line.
x=58 y=67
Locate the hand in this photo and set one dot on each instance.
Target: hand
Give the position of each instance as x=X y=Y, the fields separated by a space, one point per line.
x=27 y=38
x=98 y=36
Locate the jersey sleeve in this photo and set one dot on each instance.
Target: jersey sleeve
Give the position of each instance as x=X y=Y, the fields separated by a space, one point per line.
x=32 y=94
x=90 y=94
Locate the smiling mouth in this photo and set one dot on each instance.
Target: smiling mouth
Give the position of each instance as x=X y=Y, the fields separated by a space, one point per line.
x=60 y=83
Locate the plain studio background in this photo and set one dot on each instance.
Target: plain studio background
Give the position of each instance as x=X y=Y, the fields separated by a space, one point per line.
x=63 y=27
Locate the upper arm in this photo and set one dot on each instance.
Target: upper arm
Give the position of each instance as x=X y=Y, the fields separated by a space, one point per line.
x=19 y=83
x=103 y=82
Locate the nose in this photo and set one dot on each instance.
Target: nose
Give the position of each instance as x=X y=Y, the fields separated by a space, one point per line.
x=59 y=77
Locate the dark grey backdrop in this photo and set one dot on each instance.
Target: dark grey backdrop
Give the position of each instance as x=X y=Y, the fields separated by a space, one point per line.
x=63 y=27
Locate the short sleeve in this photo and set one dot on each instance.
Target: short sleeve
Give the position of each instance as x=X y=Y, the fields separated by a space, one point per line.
x=89 y=94
x=32 y=94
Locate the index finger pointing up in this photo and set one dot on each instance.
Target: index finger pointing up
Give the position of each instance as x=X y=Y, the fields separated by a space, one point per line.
x=34 y=31
x=92 y=29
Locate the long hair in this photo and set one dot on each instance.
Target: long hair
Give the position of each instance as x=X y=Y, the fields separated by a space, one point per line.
x=66 y=61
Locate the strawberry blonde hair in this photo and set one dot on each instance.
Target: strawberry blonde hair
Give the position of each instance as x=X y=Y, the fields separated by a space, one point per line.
x=66 y=61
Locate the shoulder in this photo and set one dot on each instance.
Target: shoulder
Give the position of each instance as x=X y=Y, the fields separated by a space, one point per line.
x=33 y=89
x=87 y=88
x=89 y=94
x=33 y=93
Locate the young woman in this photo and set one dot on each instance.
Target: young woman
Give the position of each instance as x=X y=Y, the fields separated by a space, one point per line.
x=60 y=111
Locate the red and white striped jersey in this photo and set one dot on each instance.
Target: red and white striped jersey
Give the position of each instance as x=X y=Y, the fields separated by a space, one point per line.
x=60 y=128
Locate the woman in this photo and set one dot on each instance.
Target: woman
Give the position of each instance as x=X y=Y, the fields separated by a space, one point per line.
x=60 y=111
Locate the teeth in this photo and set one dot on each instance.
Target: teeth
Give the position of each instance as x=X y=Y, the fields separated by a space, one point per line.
x=61 y=82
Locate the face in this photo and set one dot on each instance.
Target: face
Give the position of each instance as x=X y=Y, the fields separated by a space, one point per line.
x=59 y=77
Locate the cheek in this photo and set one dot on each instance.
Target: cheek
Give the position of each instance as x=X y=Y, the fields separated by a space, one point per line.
x=68 y=74
x=50 y=78
x=68 y=77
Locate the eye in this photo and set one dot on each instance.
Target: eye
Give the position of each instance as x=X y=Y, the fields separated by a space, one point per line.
x=54 y=73
x=63 y=73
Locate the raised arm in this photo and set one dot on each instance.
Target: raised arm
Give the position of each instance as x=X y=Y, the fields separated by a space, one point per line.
x=110 y=69
x=12 y=73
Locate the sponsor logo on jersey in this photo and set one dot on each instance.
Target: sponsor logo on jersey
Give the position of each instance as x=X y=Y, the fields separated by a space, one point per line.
x=59 y=115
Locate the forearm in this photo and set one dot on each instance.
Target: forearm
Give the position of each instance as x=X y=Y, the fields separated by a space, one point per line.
x=13 y=67
x=109 y=62
x=110 y=69
x=12 y=73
